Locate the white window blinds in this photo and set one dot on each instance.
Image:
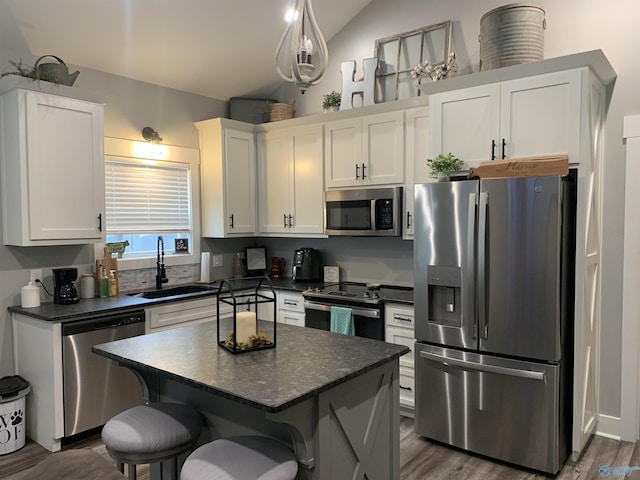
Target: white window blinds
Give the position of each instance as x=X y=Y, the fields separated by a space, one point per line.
x=147 y=198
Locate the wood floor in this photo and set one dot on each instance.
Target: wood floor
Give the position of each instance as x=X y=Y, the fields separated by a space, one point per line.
x=419 y=460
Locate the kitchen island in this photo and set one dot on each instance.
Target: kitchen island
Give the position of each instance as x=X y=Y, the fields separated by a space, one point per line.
x=333 y=398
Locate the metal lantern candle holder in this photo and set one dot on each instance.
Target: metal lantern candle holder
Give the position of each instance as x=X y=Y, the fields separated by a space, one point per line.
x=243 y=331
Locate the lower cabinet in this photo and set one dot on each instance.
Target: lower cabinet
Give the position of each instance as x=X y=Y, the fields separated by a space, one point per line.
x=291 y=308
x=187 y=312
x=399 y=329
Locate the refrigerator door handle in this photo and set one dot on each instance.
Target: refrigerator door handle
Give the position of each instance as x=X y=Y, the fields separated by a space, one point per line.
x=468 y=279
x=483 y=202
x=513 y=372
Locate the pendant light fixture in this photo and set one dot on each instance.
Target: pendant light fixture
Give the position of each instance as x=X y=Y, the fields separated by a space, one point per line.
x=301 y=56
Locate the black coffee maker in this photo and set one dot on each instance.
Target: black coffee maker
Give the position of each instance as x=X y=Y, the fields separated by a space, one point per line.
x=64 y=290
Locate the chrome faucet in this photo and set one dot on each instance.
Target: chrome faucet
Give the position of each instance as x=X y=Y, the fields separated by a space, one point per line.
x=161 y=275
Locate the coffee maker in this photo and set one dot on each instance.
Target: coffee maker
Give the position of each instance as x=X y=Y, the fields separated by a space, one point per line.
x=64 y=290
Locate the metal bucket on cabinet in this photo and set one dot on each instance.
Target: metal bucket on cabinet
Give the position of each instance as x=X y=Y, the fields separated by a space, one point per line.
x=512 y=34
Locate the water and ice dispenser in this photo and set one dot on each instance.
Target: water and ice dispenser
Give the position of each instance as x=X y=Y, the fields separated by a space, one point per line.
x=444 y=295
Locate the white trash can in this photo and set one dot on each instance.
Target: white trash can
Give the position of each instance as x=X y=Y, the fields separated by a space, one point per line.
x=13 y=391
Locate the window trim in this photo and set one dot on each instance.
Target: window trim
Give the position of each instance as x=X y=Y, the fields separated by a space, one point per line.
x=119 y=148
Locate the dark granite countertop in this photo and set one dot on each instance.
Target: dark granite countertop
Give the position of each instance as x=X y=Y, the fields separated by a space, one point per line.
x=123 y=302
x=304 y=363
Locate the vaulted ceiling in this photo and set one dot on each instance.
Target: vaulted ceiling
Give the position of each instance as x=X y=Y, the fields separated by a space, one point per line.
x=215 y=48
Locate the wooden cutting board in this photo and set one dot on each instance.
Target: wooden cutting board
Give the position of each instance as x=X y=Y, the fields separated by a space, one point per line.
x=523 y=167
x=109 y=264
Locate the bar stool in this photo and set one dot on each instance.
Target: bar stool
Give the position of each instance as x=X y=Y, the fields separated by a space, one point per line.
x=152 y=433
x=245 y=457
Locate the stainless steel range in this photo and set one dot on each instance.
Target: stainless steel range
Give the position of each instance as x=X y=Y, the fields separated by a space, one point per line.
x=366 y=301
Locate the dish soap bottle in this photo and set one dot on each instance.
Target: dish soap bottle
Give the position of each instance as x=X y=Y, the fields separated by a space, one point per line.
x=113 y=286
x=104 y=283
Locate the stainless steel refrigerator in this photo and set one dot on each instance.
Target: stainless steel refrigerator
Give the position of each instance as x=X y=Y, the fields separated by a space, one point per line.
x=494 y=283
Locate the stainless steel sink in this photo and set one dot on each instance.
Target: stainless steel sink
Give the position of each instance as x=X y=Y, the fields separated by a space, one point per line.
x=179 y=290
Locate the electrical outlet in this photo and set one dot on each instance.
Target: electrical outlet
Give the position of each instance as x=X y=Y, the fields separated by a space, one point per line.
x=217 y=260
x=36 y=275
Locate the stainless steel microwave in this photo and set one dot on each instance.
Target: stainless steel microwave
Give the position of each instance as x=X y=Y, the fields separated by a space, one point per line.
x=369 y=212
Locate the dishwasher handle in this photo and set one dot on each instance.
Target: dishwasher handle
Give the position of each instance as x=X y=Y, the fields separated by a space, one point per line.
x=102 y=322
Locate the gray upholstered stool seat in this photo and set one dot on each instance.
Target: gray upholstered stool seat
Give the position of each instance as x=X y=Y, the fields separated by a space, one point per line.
x=246 y=457
x=151 y=433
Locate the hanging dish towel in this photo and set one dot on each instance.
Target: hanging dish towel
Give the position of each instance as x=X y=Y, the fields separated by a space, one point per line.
x=342 y=320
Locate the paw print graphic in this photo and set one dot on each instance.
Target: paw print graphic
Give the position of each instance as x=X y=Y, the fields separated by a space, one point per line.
x=16 y=417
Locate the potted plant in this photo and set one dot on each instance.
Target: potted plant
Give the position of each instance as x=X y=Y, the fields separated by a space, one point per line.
x=331 y=101
x=443 y=165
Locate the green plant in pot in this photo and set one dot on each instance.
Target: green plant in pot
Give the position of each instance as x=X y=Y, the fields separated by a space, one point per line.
x=331 y=101
x=443 y=165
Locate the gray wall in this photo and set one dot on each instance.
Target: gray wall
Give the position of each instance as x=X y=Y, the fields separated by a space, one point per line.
x=572 y=26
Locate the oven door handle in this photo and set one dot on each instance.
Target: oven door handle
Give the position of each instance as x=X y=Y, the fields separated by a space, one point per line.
x=359 y=312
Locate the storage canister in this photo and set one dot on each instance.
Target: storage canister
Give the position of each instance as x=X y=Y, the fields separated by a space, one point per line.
x=30 y=296
x=87 y=285
x=512 y=34
x=13 y=391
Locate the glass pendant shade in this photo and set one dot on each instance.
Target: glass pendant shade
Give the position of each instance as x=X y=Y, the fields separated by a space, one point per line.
x=301 y=56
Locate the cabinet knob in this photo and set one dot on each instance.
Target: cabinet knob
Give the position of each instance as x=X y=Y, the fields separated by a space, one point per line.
x=231 y=221
x=363 y=169
x=408 y=219
x=290 y=221
x=493 y=149
x=284 y=221
x=357 y=172
x=99 y=222
x=504 y=144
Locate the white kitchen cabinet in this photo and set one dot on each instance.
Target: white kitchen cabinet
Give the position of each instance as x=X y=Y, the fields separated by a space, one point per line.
x=417 y=138
x=290 y=181
x=365 y=151
x=183 y=313
x=228 y=178
x=291 y=308
x=52 y=169
x=399 y=329
x=538 y=115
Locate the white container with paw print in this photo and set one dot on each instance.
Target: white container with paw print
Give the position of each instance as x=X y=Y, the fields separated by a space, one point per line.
x=13 y=390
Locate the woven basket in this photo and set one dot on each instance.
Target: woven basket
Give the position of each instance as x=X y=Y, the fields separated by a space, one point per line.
x=280 y=111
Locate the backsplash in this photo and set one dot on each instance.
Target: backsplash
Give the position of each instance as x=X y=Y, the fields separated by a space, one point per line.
x=145 y=278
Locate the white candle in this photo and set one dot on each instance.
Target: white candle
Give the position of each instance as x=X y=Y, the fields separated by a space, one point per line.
x=245 y=327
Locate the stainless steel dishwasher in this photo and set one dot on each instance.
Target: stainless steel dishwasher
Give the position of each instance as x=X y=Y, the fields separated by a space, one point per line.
x=95 y=388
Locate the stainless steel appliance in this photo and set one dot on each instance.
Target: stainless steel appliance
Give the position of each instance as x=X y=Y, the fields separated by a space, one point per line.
x=364 y=212
x=64 y=290
x=94 y=388
x=494 y=315
x=307 y=265
x=365 y=301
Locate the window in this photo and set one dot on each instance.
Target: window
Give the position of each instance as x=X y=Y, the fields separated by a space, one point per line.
x=399 y=54
x=145 y=198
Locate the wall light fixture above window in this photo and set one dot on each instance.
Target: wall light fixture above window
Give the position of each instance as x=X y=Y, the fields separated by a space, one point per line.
x=152 y=148
x=301 y=56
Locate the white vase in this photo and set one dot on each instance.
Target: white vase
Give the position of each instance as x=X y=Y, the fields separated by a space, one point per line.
x=442 y=177
x=331 y=109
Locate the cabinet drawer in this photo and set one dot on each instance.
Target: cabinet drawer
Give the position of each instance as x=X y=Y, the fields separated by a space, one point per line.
x=407 y=387
x=400 y=316
x=181 y=313
x=291 y=301
x=401 y=336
